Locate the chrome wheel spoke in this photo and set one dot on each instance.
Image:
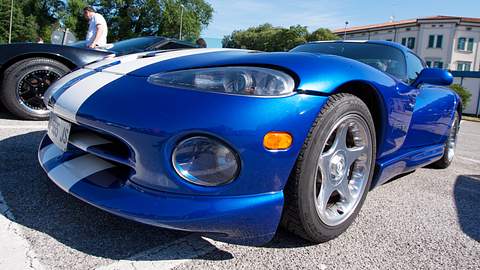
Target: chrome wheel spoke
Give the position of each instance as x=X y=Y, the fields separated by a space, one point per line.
x=341 y=137
x=345 y=193
x=353 y=154
x=324 y=195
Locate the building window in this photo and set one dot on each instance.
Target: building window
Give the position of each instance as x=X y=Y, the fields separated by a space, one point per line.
x=431 y=41
x=411 y=43
x=435 y=41
x=408 y=29
x=439 y=41
x=469 y=28
x=464 y=66
x=465 y=45
x=404 y=41
x=434 y=63
x=438 y=64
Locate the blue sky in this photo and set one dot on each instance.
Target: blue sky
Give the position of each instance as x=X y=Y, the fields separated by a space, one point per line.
x=241 y=14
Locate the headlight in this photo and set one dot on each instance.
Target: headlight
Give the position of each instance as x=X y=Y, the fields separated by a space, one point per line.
x=254 y=81
x=205 y=161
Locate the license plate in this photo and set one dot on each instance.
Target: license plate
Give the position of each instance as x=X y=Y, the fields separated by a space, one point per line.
x=59 y=131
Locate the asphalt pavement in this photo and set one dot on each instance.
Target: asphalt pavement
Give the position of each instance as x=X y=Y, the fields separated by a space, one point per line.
x=429 y=219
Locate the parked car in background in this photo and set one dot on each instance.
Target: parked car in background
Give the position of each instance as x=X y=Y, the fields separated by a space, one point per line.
x=28 y=69
x=233 y=143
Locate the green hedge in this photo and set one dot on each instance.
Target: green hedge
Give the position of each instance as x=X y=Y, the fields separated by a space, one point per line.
x=463 y=93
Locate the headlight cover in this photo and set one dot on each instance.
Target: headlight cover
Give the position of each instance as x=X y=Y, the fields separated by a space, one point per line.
x=205 y=161
x=255 y=81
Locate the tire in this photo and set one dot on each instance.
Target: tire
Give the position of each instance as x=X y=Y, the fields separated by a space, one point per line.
x=450 y=144
x=24 y=84
x=303 y=214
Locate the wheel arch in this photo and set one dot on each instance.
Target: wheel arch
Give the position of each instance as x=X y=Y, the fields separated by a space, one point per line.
x=374 y=101
x=459 y=108
x=67 y=62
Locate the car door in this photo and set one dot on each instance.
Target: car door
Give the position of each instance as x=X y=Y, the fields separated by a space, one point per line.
x=432 y=109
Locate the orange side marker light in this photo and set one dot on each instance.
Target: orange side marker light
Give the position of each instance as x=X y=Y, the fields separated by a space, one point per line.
x=274 y=140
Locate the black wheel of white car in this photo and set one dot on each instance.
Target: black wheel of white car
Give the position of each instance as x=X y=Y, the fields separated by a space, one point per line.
x=25 y=83
x=450 y=145
x=333 y=173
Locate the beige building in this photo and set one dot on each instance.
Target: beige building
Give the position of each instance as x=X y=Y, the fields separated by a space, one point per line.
x=442 y=41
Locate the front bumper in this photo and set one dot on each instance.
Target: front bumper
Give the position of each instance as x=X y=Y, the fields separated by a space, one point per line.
x=135 y=179
x=249 y=219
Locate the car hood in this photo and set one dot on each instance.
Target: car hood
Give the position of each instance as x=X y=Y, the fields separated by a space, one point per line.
x=146 y=63
x=312 y=72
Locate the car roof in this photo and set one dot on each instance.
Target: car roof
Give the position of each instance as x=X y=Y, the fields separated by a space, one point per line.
x=381 y=42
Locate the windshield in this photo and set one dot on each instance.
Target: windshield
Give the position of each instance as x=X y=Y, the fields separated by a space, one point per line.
x=134 y=45
x=385 y=58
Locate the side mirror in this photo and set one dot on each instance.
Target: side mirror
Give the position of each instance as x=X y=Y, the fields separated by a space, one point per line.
x=435 y=76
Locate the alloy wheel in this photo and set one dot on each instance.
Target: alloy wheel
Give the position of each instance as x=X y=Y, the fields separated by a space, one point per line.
x=343 y=169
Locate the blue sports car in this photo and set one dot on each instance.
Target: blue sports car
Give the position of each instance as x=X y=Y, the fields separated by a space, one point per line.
x=233 y=143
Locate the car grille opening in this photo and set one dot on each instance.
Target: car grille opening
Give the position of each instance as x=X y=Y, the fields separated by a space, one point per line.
x=101 y=145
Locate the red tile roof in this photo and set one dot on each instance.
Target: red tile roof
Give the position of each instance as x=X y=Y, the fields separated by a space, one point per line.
x=405 y=22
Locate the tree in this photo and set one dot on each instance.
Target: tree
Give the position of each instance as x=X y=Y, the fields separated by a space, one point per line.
x=44 y=13
x=266 y=37
x=464 y=94
x=125 y=18
x=321 y=34
x=24 y=28
x=196 y=15
x=72 y=18
x=134 y=18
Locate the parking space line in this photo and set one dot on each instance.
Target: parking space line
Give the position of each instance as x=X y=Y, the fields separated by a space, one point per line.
x=470 y=159
x=167 y=256
x=19 y=253
x=23 y=127
x=469 y=134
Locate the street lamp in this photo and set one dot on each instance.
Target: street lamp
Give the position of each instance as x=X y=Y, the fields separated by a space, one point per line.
x=181 y=22
x=345 y=33
x=11 y=20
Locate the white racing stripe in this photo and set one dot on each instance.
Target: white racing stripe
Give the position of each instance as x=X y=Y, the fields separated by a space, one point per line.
x=71 y=172
x=83 y=140
x=133 y=62
x=57 y=84
x=111 y=60
x=49 y=152
x=69 y=102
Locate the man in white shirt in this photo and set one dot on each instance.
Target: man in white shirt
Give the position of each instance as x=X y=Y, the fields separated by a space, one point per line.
x=97 y=28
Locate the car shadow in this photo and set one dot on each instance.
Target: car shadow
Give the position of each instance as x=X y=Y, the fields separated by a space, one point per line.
x=467 y=193
x=37 y=203
x=6 y=115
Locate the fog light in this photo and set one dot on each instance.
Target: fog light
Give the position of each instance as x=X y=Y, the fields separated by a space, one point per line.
x=277 y=140
x=205 y=161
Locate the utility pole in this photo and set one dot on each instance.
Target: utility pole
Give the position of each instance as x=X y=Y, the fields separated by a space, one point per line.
x=345 y=33
x=11 y=21
x=181 y=22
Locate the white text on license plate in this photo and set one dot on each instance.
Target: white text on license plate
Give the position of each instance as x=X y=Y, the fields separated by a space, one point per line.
x=59 y=131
